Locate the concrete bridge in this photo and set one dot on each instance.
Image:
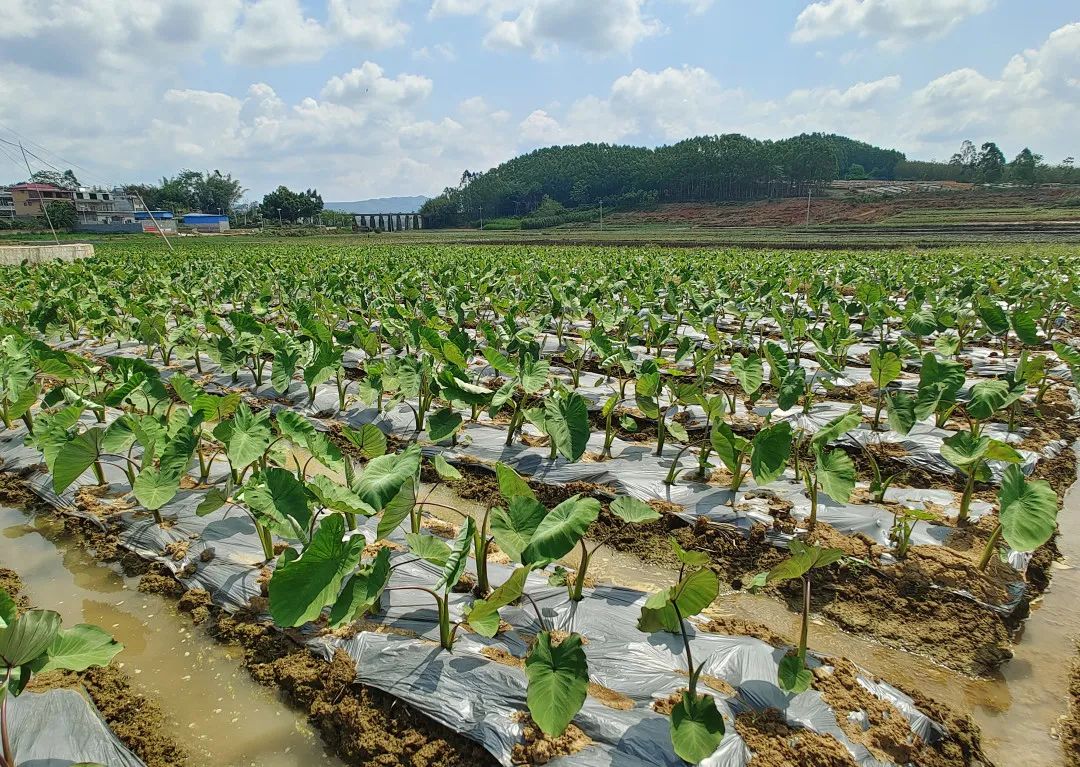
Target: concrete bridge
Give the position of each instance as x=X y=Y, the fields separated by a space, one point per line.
x=389 y=222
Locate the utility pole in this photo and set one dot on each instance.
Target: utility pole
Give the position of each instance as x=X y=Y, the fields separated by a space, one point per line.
x=809 y=193
x=601 y=214
x=41 y=199
x=279 y=217
x=481 y=218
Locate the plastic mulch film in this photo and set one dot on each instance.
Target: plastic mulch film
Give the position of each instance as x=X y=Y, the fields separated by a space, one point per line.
x=60 y=728
x=475 y=690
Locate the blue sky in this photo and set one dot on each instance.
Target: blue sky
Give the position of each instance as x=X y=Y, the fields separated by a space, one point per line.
x=363 y=98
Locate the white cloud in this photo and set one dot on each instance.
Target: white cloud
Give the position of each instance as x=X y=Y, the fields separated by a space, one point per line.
x=894 y=23
x=367 y=85
x=277 y=32
x=541 y=27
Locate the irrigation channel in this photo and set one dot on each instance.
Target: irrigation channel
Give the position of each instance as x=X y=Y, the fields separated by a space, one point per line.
x=214 y=709
x=224 y=718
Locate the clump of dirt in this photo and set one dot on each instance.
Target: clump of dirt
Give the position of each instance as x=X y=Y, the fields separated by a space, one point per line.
x=538 y=748
x=14 y=492
x=1070 y=728
x=177 y=550
x=731 y=626
x=197 y=603
x=159 y=580
x=774 y=743
x=13 y=585
x=440 y=528
x=365 y=726
x=875 y=723
x=664 y=706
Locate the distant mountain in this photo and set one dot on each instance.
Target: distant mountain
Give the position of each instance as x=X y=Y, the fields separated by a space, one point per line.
x=379 y=205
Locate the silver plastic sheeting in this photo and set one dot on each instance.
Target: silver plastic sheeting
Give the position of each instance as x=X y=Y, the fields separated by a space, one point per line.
x=61 y=728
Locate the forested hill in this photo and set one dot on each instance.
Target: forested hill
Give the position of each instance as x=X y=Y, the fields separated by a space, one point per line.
x=706 y=168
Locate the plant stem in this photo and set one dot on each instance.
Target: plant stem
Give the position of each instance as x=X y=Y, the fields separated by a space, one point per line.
x=5 y=740
x=266 y=540
x=804 y=631
x=579 y=576
x=965 y=499
x=991 y=547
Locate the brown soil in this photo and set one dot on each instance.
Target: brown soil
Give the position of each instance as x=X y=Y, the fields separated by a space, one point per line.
x=885 y=732
x=828 y=210
x=774 y=743
x=1070 y=728
x=605 y=695
x=540 y=749
x=739 y=627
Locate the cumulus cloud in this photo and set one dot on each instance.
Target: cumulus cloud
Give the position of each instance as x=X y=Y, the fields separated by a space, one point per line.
x=541 y=27
x=893 y=23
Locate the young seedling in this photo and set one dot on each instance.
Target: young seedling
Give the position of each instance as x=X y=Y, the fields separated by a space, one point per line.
x=833 y=471
x=793 y=675
x=970 y=454
x=904 y=521
x=1027 y=514
x=34 y=643
x=885 y=368
x=697 y=726
x=768 y=453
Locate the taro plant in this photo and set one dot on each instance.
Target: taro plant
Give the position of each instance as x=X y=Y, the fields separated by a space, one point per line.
x=904 y=521
x=18 y=390
x=558 y=671
x=697 y=726
x=885 y=368
x=451 y=559
x=35 y=643
x=525 y=379
x=764 y=457
x=793 y=674
x=970 y=454
x=1027 y=514
x=939 y=383
x=829 y=471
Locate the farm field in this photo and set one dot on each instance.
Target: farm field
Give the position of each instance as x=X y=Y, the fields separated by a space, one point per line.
x=469 y=503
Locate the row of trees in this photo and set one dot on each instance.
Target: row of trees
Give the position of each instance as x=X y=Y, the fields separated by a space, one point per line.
x=284 y=205
x=705 y=168
x=987 y=165
x=190 y=190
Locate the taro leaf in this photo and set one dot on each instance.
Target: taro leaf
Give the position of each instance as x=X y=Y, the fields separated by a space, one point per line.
x=246 y=436
x=511 y=483
x=770 y=450
x=28 y=637
x=443 y=424
x=281 y=374
x=116 y=396
x=483 y=616
x=729 y=446
x=697 y=727
x=748 y=371
x=214 y=499
x=454 y=566
x=9 y=611
x=153 y=488
x=568 y=424
x=835 y=472
x=922 y=323
x=884 y=368
x=793 y=676
x=184 y=388
x=678 y=431
x=692 y=594
x=987 y=397
x=837 y=427
x=24 y=401
x=691 y=558
x=77 y=649
x=1028 y=512
x=384 y=476
x=534 y=375
x=301 y=589
x=75 y=457
x=444 y=469
x=215 y=408
x=362 y=591
x=337 y=497
x=120 y=435
x=558 y=682
x=791 y=388
x=428 y=547
x=369 y=439
x=949 y=374
x=398 y=509
x=1025 y=326
x=513 y=528
x=900 y=408
x=993 y=316
x=803 y=559
x=630 y=509
x=561 y=530
x=963 y=449
x=281 y=502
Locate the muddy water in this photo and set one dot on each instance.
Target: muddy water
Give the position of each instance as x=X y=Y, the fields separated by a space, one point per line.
x=1019 y=725
x=213 y=707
